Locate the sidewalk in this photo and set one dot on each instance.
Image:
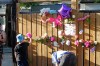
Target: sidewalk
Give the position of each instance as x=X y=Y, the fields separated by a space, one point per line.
x=7 y=57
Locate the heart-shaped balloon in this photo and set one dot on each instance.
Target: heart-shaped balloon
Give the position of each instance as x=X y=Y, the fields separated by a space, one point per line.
x=56 y=21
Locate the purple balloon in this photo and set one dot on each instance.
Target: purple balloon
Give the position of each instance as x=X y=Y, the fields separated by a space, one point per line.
x=65 y=11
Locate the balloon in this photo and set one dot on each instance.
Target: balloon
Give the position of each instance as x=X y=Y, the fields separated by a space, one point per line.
x=55 y=21
x=65 y=11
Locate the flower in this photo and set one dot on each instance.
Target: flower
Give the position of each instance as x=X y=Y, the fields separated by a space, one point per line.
x=52 y=39
x=87 y=44
x=76 y=43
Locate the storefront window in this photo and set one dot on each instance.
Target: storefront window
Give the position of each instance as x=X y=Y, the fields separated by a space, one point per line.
x=2 y=21
x=90 y=1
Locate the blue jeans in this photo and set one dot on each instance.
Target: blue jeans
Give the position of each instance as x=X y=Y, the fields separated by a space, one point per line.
x=22 y=63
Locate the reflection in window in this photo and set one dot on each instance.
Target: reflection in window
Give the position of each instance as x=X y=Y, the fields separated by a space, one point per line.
x=2 y=21
x=90 y=1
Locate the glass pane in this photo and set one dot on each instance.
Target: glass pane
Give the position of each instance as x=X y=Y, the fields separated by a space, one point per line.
x=90 y=1
x=3 y=22
x=2 y=19
x=5 y=1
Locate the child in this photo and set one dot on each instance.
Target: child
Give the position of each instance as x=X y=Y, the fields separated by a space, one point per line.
x=63 y=58
x=20 y=50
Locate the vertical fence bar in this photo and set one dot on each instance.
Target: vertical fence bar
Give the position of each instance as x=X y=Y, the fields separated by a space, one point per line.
x=26 y=23
x=49 y=33
x=98 y=39
x=41 y=43
x=95 y=36
x=36 y=43
x=52 y=43
x=80 y=49
x=86 y=37
x=47 y=44
x=34 y=52
x=31 y=43
x=89 y=38
x=22 y=23
x=74 y=4
x=77 y=33
x=55 y=32
x=92 y=37
x=83 y=47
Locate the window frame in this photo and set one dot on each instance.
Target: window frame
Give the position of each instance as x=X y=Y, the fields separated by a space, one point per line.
x=89 y=1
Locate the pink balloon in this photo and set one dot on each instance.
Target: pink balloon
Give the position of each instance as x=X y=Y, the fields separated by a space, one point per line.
x=57 y=21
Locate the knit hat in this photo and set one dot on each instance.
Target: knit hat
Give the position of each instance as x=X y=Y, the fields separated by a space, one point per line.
x=20 y=38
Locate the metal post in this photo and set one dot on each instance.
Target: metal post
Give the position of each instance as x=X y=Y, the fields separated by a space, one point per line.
x=13 y=29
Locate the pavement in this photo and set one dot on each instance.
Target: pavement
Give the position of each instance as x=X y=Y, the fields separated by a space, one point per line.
x=7 y=57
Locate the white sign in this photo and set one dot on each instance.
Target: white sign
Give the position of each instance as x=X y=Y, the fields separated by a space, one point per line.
x=70 y=29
